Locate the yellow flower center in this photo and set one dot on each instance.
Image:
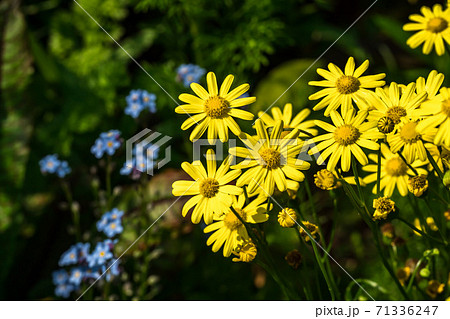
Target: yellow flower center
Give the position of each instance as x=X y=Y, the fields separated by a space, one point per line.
x=271 y=158
x=396 y=113
x=217 y=107
x=346 y=134
x=437 y=25
x=102 y=253
x=110 y=144
x=408 y=133
x=347 y=84
x=209 y=187
x=72 y=256
x=231 y=221
x=445 y=107
x=396 y=167
x=113 y=226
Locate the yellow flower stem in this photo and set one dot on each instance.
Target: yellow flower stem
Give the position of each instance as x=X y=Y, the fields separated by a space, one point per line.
x=435 y=165
x=414 y=228
x=269 y=265
x=322 y=239
x=306 y=133
x=439 y=228
x=413 y=275
x=247 y=200
x=407 y=164
x=375 y=232
x=330 y=282
x=379 y=170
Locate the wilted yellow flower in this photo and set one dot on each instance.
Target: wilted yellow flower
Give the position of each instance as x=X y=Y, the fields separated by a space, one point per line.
x=287 y=217
x=418 y=185
x=246 y=252
x=297 y=122
x=388 y=230
x=311 y=228
x=324 y=179
x=394 y=172
x=434 y=288
x=343 y=87
x=403 y=274
x=345 y=139
x=271 y=161
x=211 y=193
x=215 y=109
x=293 y=258
x=432 y=27
x=228 y=230
x=383 y=207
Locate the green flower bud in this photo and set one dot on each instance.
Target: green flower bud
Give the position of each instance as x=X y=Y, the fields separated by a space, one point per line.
x=446 y=179
x=424 y=272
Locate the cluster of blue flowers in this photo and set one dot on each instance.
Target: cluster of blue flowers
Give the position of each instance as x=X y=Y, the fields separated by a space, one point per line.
x=111 y=223
x=143 y=159
x=139 y=100
x=189 y=73
x=86 y=266
x=51 y=164
x=108 y=143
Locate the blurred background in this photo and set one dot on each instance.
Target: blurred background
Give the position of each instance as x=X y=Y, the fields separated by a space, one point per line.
x=64 y=81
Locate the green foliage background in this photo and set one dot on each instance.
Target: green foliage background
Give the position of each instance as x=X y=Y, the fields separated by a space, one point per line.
x=63 y=81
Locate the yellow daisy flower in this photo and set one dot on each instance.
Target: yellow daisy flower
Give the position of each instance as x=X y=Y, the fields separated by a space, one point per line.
x=228 y=231
x=344 y=139
x=409 y=139
x=289 y=123
x=313 y=230
x=211 y=193
x=433 y=29
x=395 y=103
x=394 y=172
x=343 y=87
x=440 y=118
x=431 y=85
x=270 y=160
x=326 y=180
x=215 y=109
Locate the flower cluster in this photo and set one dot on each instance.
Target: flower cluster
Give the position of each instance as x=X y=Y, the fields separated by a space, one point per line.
x=143 y=159
x=231 y=195
x=107 y=142
x=85 y=266
x=189 y=73
x=111 y=223
x=52 y=165
x=139 y=100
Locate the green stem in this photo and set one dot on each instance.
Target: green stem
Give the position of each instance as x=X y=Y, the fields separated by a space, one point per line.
x=74 y=212
x=407 y=164
x=435 y=165
x=108 y=183
x=376 y=235
x=421 y=232
x=408 y=288
x=379 y=170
